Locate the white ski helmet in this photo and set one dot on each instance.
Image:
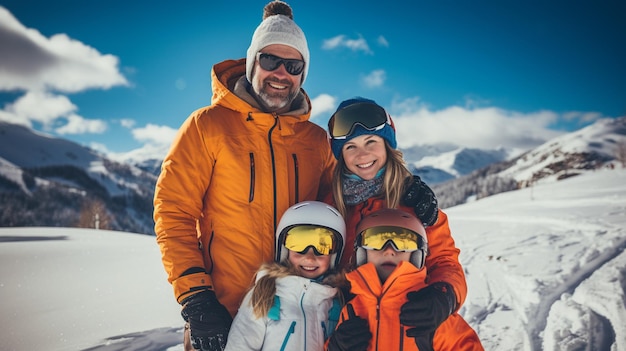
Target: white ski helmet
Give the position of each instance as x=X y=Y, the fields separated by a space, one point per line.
x=392 y=218
x=312 y=213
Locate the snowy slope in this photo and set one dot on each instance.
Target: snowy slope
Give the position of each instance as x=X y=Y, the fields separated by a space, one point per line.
x=545 y=269
x=70 y=289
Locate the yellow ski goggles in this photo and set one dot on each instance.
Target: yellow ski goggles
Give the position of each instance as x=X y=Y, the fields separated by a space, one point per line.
x=402 y=239
x=321 y=239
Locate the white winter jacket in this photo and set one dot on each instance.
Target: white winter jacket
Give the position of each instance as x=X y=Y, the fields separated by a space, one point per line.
x=298 y=321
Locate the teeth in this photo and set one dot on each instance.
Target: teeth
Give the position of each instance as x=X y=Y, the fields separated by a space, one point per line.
x=309 y=268
x=366 y=165
x=280 y=87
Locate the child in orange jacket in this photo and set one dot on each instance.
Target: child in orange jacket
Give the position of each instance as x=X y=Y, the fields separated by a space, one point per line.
x=390 y=251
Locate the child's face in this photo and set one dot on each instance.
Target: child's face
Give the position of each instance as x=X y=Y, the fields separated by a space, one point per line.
x=309 y=265
x=386 y=260
x=365 y=155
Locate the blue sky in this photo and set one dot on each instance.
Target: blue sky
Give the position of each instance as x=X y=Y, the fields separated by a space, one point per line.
x=121 y=76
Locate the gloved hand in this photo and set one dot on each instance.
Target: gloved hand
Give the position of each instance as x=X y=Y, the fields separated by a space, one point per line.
x=208 y=320
x=353 y=334
x=427 y=308
x=424 y=342
x=423 y=200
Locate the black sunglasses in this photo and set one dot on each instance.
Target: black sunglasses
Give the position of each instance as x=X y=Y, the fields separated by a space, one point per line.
x=271 y=62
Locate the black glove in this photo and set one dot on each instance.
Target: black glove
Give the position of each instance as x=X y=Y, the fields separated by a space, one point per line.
x=353 y=334
x=424 y=342
x=208 y=320
x=427 y=308
x=423 y=200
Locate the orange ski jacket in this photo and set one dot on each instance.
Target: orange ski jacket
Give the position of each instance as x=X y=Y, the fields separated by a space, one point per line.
x=380 y=305
x=442 y=261
x=231 y=172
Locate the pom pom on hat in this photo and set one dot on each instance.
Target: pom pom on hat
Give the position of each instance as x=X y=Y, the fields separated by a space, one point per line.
x=277 y=27
x=388 y=132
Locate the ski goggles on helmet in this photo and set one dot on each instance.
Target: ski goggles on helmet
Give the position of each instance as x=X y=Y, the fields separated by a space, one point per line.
x=271 y=62
x=402 y=239
x=368 y=115
x=321 y=239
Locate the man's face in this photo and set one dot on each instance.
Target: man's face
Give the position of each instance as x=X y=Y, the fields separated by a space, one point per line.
x=276 y=89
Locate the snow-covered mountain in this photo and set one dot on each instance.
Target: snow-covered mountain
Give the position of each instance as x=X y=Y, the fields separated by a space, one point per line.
x=55 y=182
x=588 y=148
x=443 y=162
x=602 y=144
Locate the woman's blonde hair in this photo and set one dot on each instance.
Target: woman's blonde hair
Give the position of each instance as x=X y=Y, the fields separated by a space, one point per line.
x=397 y=177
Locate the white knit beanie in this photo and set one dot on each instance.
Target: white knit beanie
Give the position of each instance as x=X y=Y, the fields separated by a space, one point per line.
x=277 y=29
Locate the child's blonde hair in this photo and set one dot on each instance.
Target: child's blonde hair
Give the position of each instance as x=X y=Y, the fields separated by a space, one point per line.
x=264 y=290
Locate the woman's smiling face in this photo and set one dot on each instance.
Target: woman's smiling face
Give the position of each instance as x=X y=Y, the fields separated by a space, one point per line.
x=365 y=155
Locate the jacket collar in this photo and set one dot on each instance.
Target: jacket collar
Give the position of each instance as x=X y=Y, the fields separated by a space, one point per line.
x=231 y=90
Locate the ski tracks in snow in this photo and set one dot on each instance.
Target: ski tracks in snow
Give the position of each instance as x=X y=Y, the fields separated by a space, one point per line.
x=520 y=267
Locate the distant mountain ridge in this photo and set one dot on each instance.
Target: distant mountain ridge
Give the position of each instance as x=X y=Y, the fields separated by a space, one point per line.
x=47 y=181
x=55 y=182
x=602 y=144
x=443 y=162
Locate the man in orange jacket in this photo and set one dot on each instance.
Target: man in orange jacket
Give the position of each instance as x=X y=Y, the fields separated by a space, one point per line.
x=232 y=171
x=390 y=253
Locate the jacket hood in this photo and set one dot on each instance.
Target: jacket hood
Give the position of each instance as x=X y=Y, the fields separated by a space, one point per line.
x=231 y=90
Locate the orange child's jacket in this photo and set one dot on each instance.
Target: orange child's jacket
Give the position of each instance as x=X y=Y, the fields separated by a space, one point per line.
x=380 y=305
x=230 y=174
x=442 y=262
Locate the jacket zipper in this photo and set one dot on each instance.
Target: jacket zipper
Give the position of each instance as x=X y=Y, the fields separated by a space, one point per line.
x=252 y=176
x=296 y=170
x=269 y=140
x=306 y=329
x=291 y=330
x=378 y=301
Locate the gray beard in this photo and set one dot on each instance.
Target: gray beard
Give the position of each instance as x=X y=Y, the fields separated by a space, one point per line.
x=273 y=102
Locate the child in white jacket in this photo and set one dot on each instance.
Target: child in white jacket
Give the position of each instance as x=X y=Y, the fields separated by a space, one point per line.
x=291 y=306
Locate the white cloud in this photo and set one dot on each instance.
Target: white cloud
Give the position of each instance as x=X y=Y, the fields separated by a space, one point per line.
x=340 y=41
x=79 y=125
x=582 y=117
x=41 y=106
x=323 y=105
x=155 y=134
x=30 y=61
x=155 y=139
x=127 y=122
x=42 y=67
x=48 y=109
x=375 y=79
x=476 y=127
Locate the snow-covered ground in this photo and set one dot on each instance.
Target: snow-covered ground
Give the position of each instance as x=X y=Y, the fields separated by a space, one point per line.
x=545 y=265
x=71 y=289
x=545 y=269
